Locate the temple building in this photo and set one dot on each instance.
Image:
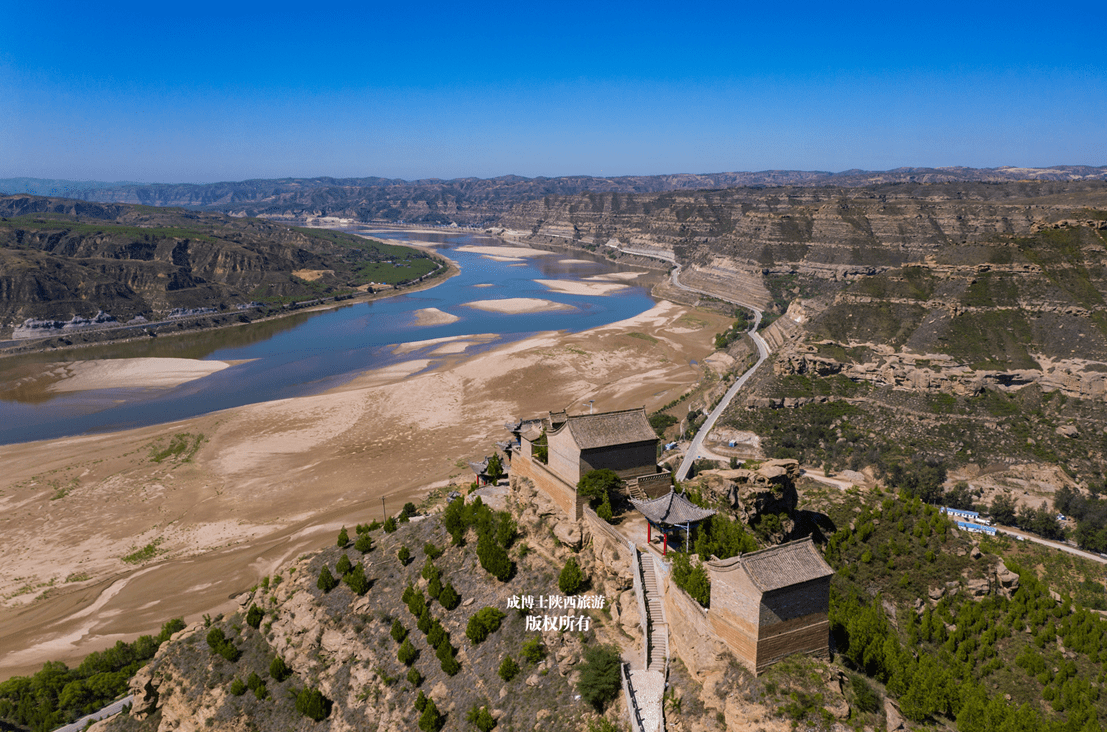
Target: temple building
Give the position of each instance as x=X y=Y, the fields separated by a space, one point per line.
x=671 y=511
x=556 y=451
x=772 y=603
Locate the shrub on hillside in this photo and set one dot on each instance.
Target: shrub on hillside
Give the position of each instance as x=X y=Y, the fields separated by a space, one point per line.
x=445 y=654
x=533 y=650
x=343 y=538
x=484 y=622
x=599 y=675
x=364 y=543
x=356 y=580
x=254 y=616
x=279 y=670
x=692 y=579
x=404 y=555
x=390 y=525
x=480 y=718
x=399 y=632
x=414 y=677
x=343 y=565
x=571 y=579
x=222 y=645
x=432 y=551
x=431 y=720
x=449 y=597
x=407 y=653
x=237 y=687
x=326 y=581
x=312 y=704
x=508 y=668
x=494 y=559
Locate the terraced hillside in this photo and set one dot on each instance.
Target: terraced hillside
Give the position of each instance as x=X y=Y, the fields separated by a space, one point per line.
x=61 y=258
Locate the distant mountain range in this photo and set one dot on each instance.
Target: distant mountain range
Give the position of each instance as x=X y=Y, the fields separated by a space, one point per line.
x=482 y=201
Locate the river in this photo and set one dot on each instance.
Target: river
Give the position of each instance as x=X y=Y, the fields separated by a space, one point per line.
x=309 y=353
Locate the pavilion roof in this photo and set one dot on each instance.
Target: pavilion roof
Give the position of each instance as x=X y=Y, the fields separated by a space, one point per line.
x=672 y=509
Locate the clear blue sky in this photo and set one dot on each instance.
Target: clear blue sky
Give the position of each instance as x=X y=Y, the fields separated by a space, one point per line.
x=197 y=92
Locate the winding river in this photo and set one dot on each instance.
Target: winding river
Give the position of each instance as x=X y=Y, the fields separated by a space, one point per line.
x=311 y=352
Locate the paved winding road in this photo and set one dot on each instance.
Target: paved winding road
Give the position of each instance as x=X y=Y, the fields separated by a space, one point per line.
x=114 y=708
x=762 y=351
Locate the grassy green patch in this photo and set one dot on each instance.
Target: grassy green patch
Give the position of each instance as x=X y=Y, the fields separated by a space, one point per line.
x=181 y=447
x=144 y=554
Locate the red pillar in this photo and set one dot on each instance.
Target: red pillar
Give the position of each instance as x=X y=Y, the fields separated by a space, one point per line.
x=665 y=551
x=649 y=532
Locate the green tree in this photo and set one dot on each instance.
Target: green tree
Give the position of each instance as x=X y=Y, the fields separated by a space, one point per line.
x=1003 y=509
x=599 y=675
x=508 y=668
x=414 y=677
x=571 y=578
x=437 y=635
x=494 y=558
x=326 y=581
x=407 y=653
x=692 y=579
x=237 y=687
x=399 y=632
x=343 y=538
x=723 y=538
x=598 y=485
x=449 y=598
x=312 y=704
x=495 y=469
x=431 y=720
x=480 y=718
x=390 y=525
x=484 y=622
x=432 y=551
x=364 y=543
x=445 y=653
x=404 y=555
x=356 y=580
x=533 y=650
x=254 y=616
x=343 y=565
x=279 y=670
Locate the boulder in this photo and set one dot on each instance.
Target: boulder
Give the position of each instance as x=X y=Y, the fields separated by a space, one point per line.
x=977 y=587
x=936 y=593
x=892 y=715
x=144 y=687
x=568 y=533
x=1068 y=430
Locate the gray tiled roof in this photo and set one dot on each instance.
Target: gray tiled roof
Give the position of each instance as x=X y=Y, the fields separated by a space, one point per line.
x=590 y=431
x=780 y=566
x=672 y=509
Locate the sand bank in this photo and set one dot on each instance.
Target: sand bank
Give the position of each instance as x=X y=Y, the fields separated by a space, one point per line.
x=574 y=287
x=505 y=251
x=434 y=316
x=516 y=305
x=576 y=261
x=615 y=276
x=465 y=340
x=142 y=373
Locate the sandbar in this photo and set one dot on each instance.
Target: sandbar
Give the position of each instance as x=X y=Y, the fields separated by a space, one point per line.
x=577 y=261
x=516 y=305
x=140 y=373
x=615 y=276
x=575 y=287
x=495 y=258
x=434 y=316
x=484 y=284
x=505 y=251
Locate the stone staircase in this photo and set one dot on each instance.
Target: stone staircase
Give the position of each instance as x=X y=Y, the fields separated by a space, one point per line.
x=646 y=687
x=657 y=640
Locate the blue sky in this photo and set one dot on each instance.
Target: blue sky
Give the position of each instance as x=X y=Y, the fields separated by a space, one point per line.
x=199 y=92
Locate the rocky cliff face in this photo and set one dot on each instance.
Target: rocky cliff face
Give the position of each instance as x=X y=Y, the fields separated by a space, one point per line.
x=61 y=258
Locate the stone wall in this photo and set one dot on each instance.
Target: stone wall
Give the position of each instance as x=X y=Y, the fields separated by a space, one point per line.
x=690 y=633
x=808 y=634
x=655 y=486
x=603 y=532
x=560 y=492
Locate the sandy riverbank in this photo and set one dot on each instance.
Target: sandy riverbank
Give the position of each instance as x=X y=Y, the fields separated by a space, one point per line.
x=516 y=305
x=270 y=481
x=580 y=287
x=434 y=316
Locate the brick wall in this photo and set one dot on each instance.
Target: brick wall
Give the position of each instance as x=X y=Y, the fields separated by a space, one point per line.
x=794 y=602
x=655 y=486
x=560 y=492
